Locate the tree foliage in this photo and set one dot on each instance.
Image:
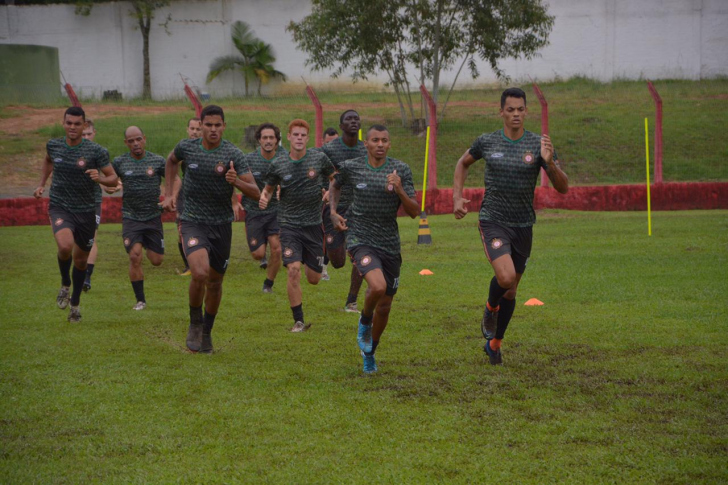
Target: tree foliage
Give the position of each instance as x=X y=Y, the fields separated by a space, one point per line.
x=413 y=41
x=255 y=61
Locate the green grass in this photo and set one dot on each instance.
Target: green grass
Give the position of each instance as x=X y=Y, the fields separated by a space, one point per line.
x=620 y=377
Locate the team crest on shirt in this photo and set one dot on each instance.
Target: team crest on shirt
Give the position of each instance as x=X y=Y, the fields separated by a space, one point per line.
x=58 y=222
x=366 y=260
x=496 y=243
x=288 y=252
x=192 y=242
x=220 y=168
x=253 y=242
x=127 y=241
x=311 y=173
x=528 y=158
x=81 y=162
x=150 y=171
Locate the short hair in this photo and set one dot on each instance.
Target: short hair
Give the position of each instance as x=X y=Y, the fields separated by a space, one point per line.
x=267 y=126
x=192 y=119
x=211 y=110
x=330 y=131
x=298 y=122
x=90 y=123
x=341 y=118
x=133 y=126
x=378 y=128
x=75 y=111
x=512 y=93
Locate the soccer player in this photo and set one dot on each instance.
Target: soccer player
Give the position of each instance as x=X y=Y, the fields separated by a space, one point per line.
x=77 y=165
x=330 y=134
x=261 y=226
x=300 y=176
x=513 y=158
x=141 y=172
x=215 y=167
x=381 y=185
x=194 y=132
x=343 y=148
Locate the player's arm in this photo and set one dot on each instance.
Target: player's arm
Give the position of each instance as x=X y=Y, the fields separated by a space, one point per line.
x=171 y=169
x=408 y=203
x=45 y=171
x=334 y=192
x=557 y=176
x=106 y=176
x=461 y=173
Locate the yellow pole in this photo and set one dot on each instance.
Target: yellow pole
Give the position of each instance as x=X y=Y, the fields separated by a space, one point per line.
x=647 y=154
x=359 y=134
x=424 y=179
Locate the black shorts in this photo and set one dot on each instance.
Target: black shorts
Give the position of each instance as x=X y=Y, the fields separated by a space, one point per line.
x=259 y=227
x=98 y=214
x=499 y=240
x=150 y=233
x=367 y=258
x=82 y=225
x=216 y=239
x=334 y=239
x=304 y=244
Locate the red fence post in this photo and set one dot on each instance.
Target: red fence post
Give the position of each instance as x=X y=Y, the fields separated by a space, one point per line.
x=72 y=95
x=432 y=156
x=544 y=125
x=319 y=115
x=658 y=131
x=194 y=100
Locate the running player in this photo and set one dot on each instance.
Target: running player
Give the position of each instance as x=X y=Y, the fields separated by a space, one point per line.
x=513 y=159
x=343 y=148
x=215 y=167
x=381 y=185
x=194 y=131
x=330 y=134
x=141 y=172
x=261 y=226
x=300 y=176
x=77 y=165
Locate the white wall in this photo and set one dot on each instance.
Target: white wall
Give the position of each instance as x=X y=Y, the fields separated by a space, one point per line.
x=601 y=39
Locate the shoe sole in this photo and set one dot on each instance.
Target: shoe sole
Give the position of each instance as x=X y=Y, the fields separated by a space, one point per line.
x=305 y=327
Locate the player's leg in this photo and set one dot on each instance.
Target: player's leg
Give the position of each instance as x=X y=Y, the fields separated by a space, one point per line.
x=64 y=242
x=274 y=264
x=313 y=253
x=180 y=246
x=220 y=244
x=496 y=241
x=91 y=263
x=199 y=263
x=83 y=239
x=355 y=282
x=136 y=274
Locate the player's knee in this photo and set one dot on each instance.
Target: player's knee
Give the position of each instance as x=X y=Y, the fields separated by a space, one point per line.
x=135 y=258
x=214 y=286
x=313 y=277
x=384 y=306
x=506 y=280
x=156 y=260
x=200 y=275
x=377 y=290
x=259 y=253
x=294 y=272
x=511 y=293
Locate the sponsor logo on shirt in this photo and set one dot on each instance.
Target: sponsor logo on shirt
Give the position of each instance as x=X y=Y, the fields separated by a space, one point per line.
x=57 y=160
x=256 y=174
x=287 y=177
x=497 y=155
x=192 y=166
x=129 y=172
x=361 y=186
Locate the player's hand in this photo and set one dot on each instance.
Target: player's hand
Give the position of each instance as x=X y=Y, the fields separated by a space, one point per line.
x=338 y=222
x=94 y=174
x=231 y=175
x=237 y=209
x=325 y=197
x=394 y=182
x=114 y=189
x=547 y=149
x=459 y=207
x=38 y=193
x=169 y=204
x=263 y=201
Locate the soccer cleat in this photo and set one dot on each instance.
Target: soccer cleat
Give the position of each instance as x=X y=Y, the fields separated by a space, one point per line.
x=495 y=356
x=351 y=308
x=370 y=363
x=300 y=327
x=87 y=284
x=267 y=289
x=186 y=272
x=489 y=323
x=206 y=345
x=264 y=263
x=140 y=305
x=325 y=274
x=74 y=316
x=364 y=337
x=63 y=298
x=194 y=337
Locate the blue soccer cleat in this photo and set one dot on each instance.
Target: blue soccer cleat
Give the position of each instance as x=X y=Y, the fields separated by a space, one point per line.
x=370 y=364
x=364 y=337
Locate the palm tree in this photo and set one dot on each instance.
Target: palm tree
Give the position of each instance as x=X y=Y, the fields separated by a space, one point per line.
x=255 y=61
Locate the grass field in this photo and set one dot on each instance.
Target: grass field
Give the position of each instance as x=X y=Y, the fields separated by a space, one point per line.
x=597 y=128
x=620 y=377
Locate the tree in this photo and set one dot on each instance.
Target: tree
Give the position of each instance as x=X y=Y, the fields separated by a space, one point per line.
x=254 y=62
x=394 y=36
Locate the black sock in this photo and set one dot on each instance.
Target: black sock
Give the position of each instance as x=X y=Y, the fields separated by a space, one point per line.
x=138 y=290
x=89 y=270
x=268 y=283
x=78 y=276
x=297 y=313
x=326 y=259
x=65 y=267
x=195 y=314
x=504 y=316
x=351 y=299
x=366 y=320
x=375 y=344
x=182 y=253
x=209 y=322
x=496 y=292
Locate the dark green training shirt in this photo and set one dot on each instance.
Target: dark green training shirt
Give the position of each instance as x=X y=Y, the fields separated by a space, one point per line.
x=338 y=153
x=372 y=215
x=141 y=179
x=259 y=166
x=300 y=181
x=511 y=170
x=206 y=193
x=71 y=188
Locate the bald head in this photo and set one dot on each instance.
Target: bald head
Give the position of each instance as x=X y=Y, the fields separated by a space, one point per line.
x=135 y=140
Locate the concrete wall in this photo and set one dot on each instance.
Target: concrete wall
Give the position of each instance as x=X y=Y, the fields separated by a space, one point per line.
x=601 y=39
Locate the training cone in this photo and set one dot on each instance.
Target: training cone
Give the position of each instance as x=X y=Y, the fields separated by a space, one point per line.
x=533 y=302
x=423 y=235
x=426 y=272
